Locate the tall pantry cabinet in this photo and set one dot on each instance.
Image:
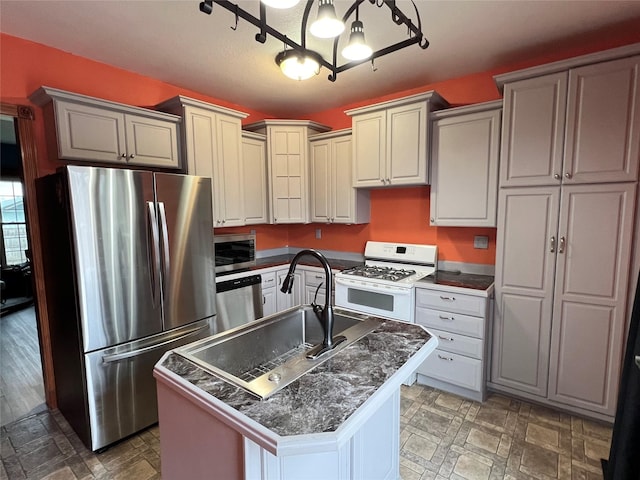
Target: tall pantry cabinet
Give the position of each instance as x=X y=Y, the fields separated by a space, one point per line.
x=566 y=210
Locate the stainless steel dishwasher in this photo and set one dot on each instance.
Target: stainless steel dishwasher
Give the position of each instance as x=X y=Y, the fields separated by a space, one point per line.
x=238 y=301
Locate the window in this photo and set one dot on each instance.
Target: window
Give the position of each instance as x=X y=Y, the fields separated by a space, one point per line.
x=14 y=228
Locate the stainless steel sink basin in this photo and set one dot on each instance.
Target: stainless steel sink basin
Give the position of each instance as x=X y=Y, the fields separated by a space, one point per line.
x=267 y=355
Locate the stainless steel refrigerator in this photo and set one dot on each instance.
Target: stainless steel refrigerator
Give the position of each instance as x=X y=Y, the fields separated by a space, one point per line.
x=129 y=274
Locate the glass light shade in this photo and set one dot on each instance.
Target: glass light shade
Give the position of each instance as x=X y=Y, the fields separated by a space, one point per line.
x=280 y=3
x=357 y=49
x=297 y=66
x=327 y=25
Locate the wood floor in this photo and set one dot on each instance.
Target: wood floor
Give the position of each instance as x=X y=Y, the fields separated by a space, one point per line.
x=21 y=387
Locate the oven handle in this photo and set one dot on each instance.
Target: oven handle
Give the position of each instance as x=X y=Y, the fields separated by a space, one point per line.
x=397 y=291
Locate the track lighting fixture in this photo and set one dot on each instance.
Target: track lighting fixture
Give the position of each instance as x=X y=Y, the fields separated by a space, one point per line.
x=297 y=61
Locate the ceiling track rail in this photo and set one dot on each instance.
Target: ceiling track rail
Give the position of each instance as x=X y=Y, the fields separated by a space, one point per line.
x=414 y=32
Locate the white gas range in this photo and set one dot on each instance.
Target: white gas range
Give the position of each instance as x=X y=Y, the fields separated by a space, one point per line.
x=385 y=285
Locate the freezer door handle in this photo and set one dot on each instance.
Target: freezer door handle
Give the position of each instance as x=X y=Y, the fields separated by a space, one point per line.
x=155 y=252
x=165 y=244
x=116 y=357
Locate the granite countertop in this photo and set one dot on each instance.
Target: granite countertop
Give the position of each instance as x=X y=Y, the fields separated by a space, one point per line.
x=456 y=279
x=324 y=398
x=336 y=264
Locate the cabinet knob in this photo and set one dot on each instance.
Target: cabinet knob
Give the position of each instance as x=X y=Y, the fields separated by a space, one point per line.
x=124 y=155
x=567 y=175
x=132 y=156
x=557 y=176
x=382 y=180
x=433 y=220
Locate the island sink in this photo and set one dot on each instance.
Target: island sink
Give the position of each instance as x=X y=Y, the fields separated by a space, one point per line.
x=268 y=354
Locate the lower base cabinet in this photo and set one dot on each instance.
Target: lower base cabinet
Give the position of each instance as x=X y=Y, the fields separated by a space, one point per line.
x=199 y=445
x=460 y=321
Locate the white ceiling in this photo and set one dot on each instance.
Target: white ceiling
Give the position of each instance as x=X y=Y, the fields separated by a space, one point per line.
x=174 y=42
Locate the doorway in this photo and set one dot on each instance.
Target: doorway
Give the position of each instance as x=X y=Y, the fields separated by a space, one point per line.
x=32 y=278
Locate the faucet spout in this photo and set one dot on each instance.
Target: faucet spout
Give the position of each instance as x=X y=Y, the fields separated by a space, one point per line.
x=325 y=315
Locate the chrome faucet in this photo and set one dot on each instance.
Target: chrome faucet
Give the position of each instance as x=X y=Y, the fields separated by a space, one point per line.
x=324 y=314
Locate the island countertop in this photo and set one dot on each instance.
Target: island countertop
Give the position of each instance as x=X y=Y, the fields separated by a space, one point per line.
x=324 y=398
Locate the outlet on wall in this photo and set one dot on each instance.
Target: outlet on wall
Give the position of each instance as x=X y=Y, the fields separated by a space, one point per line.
x=481 y=241
x=318 y=233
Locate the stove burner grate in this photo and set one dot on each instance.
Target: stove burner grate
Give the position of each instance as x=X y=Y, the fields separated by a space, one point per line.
x=383 y=273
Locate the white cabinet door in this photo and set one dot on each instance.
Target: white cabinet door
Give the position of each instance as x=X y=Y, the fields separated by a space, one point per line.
x=603 y=123
x=90 y=133
x=229 y=178
x=333 y=197
x=407 y=145
x=254 y=174
x=321 y=188
x=596 y=228
x=288 y=172
x=369 y=149
x=151 y=142
x=464 y=169
x=269 y=306
x=525 y=259
x=533 y=131
x=286 y=300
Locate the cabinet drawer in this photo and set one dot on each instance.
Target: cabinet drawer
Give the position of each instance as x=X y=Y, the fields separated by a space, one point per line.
x=452 y=368
x=454 y=343
x=268 y=280
x=451 y=302
x=450 y=322
x=313 y=279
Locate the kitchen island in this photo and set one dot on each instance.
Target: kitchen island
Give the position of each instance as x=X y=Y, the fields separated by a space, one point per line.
x=341 y=420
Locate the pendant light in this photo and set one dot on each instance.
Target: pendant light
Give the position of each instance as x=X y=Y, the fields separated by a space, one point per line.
x=297 y=65
x=327 y=25
x=282 y=4
x=357 y=49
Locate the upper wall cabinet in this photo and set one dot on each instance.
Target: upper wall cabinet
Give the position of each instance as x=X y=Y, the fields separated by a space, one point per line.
x=390 y=141
x=333 y=197
x=93 y=130
x=577 y=125
x=254 y=171
x=465 y=149
x=287 y=162
x=213 y=148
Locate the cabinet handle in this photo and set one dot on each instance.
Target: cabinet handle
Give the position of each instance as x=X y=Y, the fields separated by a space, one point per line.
x=451 y=299
x=567 y=175
x=448 y=339
x=444 y=317
x=264 y=300
x=552 y=248
x=382 y=180
x=442 y=357
x=562 y=244
x=557 y=176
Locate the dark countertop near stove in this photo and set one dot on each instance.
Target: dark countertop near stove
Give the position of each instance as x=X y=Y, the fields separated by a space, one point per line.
x=457 y=279
x=336 y=264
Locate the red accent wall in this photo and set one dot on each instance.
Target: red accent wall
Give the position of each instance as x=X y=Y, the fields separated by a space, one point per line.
x=398 y=214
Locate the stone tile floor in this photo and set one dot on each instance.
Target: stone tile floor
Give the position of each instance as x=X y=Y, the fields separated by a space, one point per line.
x=442 y=437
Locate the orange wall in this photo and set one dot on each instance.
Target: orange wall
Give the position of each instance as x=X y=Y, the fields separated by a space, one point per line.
x=400 y=214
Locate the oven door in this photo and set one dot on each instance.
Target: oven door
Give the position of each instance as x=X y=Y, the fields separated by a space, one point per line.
x=396 y=303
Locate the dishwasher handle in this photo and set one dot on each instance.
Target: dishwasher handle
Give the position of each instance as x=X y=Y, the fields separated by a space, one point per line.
x=226 y=285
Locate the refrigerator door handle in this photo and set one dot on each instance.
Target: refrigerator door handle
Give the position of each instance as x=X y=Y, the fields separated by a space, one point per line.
x=155 y=252
x=116 y=357
x=165 y=243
